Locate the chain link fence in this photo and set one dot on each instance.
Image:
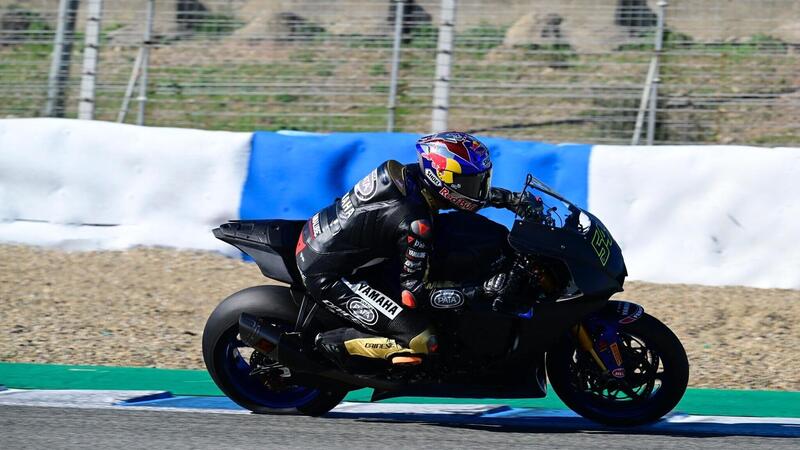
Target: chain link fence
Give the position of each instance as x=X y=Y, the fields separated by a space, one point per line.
x=555 y=70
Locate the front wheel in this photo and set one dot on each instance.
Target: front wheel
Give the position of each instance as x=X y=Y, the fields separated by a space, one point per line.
x=238 y=370
x=656 y=375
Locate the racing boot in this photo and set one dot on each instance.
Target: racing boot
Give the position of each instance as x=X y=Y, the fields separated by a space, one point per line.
x=353 y=350
x=332 y=345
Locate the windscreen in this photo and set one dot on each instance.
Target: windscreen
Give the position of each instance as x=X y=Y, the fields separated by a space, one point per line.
x=542 y=204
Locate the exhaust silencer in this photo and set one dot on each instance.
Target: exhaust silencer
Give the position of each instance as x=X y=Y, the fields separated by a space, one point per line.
x=267 y=338
x=263 y=337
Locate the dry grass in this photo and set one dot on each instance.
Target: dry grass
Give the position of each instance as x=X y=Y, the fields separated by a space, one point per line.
x=147 y=307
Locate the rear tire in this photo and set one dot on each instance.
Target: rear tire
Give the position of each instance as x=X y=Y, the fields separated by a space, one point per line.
x=229 y=368
x=564 y=371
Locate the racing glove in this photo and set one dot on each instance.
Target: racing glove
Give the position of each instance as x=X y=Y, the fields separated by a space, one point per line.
x=504 y=286
x=495 y=288
x=513 y=201
x=503 y=198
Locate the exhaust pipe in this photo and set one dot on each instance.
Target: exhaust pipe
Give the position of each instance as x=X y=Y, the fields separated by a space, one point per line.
x=262 y=337
x=286 y=349
x=281 y=346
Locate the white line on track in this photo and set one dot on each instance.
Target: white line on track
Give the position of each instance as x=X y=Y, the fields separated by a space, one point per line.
x=467 y=413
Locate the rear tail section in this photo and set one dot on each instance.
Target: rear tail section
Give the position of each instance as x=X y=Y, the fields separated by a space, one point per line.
x=271 y=243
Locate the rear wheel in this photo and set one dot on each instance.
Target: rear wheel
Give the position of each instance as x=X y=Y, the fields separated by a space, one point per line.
x=656 y=375
x=250 y=378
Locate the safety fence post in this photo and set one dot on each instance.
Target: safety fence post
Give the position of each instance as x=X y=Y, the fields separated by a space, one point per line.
x=650 y=92
x=444 y=57
x=60 y=61
x=148 y=37
x=91 y=50
x=651 y=118
x=398 y=32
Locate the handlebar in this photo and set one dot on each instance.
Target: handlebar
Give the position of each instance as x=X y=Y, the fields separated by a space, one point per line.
x=532 y=208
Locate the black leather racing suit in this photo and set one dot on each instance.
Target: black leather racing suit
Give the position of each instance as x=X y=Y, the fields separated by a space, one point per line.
x=385 y=221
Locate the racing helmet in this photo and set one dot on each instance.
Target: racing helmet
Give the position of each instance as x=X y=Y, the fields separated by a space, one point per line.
x=456 y=169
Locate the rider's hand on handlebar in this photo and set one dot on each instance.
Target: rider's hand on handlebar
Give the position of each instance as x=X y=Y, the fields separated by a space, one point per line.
x=495 y=288
x=496 y=285
x=529 y=206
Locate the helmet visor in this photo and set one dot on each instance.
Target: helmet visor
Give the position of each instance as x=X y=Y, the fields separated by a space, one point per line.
x=475 y=186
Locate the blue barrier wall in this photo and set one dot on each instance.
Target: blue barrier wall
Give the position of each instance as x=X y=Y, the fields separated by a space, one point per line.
x=293 y=176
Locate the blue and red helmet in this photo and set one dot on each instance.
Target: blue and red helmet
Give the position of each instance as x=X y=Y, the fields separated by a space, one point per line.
x=456 y=168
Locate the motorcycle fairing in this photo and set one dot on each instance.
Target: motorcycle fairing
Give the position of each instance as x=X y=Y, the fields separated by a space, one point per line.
x=580 y=240
x=533 y=384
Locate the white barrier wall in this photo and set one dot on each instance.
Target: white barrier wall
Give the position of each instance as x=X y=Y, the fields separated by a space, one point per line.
x=99 y=185
x=713 y=215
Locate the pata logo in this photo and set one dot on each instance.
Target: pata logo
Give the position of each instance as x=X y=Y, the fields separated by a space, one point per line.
x=365 y=313
x=447 y=299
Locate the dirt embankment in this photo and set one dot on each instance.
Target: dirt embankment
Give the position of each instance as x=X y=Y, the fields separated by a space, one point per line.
x=147 y=307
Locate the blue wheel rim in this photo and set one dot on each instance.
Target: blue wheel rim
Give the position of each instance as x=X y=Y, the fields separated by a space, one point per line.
x=237 y=370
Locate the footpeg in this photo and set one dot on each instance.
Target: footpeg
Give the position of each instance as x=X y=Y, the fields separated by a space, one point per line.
x=272 y=369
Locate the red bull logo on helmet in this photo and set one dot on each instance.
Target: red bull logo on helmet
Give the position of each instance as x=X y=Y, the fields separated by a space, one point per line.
x=458 y=200
x=441 y=163
x=461 y=149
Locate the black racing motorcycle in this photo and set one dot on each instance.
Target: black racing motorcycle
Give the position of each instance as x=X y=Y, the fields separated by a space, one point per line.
x=607 y=360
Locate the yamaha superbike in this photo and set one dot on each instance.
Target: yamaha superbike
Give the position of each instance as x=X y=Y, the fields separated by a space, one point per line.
x=607 y=360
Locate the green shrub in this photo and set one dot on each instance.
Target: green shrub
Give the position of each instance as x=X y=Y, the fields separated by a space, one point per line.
x=483 y=37
x=19 y=24
x=671 y=40
x=216 y=24
x=378 y=70
x=286 y=98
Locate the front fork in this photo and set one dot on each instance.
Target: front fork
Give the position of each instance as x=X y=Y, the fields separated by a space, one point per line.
x=605 y=350
x=605 y=346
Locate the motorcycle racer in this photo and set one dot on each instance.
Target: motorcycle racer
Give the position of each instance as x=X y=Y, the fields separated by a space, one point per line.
x=384 y=227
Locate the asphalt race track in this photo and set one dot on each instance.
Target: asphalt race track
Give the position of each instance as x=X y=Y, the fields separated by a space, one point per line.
x=38 y=427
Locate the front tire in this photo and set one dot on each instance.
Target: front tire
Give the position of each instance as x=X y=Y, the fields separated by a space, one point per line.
x=227 y=360
x=657 y=373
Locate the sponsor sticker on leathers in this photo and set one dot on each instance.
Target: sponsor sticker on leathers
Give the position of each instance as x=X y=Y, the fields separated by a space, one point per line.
x=338 y=310
x=366 y=188
x=378 y=300
x=365 y=313
x=315 y=225
x=417 y=254
x=346 y=207
x=447 y=299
